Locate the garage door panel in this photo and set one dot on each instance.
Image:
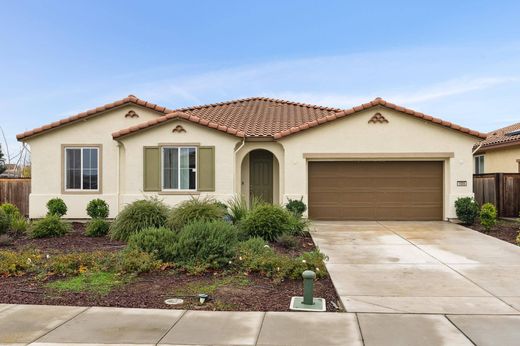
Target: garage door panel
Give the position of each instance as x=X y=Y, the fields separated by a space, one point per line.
x=378 y=190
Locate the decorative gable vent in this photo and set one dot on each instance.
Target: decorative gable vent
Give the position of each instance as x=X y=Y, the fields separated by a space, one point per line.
x=378 y=118
x=179 y=129
x=131 y=114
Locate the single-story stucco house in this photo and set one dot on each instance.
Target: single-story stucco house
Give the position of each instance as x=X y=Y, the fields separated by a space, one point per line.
x=499 y=152
x=376 y=161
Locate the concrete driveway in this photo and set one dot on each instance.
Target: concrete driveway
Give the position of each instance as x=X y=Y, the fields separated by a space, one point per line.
x=420 y=267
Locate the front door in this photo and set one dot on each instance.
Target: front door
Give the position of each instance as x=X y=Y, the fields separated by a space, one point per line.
x=261 y=175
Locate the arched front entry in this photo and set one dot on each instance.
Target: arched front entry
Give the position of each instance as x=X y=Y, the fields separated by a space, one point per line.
x=260 y=176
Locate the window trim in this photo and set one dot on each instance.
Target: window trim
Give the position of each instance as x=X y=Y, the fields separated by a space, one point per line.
x=178 y=147
x=475 y=158
x=81 y=191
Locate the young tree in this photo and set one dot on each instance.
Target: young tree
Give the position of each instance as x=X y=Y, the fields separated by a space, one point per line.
x=2 y=161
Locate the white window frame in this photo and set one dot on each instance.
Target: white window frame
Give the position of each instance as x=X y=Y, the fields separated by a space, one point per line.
x=81 y=168
x=178 y=147
x=481 y=160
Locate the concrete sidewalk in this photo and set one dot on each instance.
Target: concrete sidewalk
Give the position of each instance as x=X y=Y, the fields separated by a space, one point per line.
x=64 y=325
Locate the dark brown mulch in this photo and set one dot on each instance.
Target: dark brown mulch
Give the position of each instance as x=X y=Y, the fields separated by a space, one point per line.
x=304 y=244
x=505 y=230
x=74 y=241
x=150 y=290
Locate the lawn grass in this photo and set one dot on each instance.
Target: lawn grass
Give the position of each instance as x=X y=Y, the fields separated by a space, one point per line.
x=98 y=283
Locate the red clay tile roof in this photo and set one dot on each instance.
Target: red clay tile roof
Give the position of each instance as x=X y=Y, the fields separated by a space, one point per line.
x=501 y=137
x=251 y=117
x=266 y=117
x=90 y=113
x=376 y=102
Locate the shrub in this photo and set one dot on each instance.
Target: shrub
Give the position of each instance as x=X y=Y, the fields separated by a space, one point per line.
x=97 y=208
x=135 y=261
x=488 y=216
x=467 y=210
x=211 y=243
x=295 y=206
x=268 y=222
x=254 y=255
x=78 y=262
x=11 y=210
x=50 y=226
x=137 y=216
x=194 y=209
x=287 y=241
x=56 y=206
x=4 y=221
x=17 y=263
x=159 y=242
x=97 y=227
x=238 y=208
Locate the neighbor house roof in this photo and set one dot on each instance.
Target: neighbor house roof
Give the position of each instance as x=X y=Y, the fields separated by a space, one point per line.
x=90 y=113
x=258 y=117
x=265 y=117
x=506 y=136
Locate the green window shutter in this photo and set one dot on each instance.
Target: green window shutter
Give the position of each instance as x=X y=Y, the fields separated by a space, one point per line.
x=206 y=169
x=152 y=169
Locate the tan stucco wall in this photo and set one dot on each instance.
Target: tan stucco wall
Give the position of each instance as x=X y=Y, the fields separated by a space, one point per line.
x=46 y=156
x=132 y=160
x=503 y=160
x=402 y=135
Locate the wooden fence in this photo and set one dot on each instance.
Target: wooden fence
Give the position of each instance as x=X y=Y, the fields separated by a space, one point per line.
x=501 y=189
x=16 y=191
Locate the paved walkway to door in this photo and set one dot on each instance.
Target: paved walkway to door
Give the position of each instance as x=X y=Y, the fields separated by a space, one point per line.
x=420 y=267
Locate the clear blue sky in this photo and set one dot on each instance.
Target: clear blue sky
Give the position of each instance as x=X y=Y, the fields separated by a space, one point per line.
x=458 y=60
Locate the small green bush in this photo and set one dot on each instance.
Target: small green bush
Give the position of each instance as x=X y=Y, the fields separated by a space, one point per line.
x=97 y=208
x=159 y=242
x=11 y=210
x=295 y=206
x=467 y=210
x=287 y=241
x=268 y=222
x=138 y=216
x=56 y=206
x=254 y=255
x=74 y=263
x=238 y=208
x=17 y=263
x=97 y=227
x=194 y=209
x=50 y=226
x=134 y=261
x=4 y=221
x=488 y=216
x=211 y=243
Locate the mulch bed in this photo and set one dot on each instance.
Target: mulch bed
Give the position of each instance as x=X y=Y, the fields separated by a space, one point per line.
x=149 y=290
x=74 y=241
x=505 y=230
x=152 y=289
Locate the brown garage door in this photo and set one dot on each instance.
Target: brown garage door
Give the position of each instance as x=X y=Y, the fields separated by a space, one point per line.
x=376 y=190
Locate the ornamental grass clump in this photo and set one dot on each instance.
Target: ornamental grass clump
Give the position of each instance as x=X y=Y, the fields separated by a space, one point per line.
x=488 y=216
x=50 y=226
x=138 y=216
x=467 y=210
x=195 y=209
